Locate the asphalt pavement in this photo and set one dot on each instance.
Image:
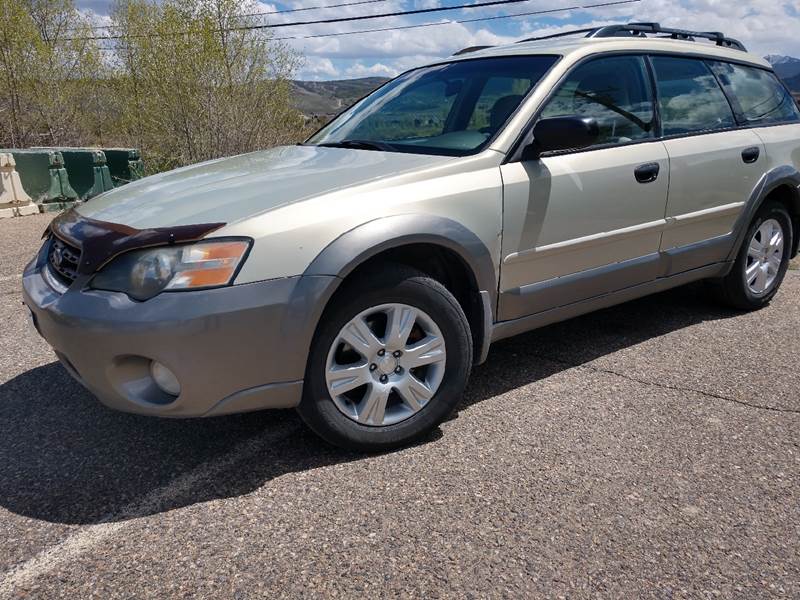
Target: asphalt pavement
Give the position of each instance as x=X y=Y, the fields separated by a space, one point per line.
x=650 y=450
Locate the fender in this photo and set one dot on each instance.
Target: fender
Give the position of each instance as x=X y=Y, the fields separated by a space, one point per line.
x=769 y=182
x=353 y=248
x=358 y=245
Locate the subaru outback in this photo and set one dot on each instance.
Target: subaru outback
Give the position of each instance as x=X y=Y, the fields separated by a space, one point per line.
x=360 y=275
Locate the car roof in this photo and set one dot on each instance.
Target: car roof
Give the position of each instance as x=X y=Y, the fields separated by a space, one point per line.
x=577 y=48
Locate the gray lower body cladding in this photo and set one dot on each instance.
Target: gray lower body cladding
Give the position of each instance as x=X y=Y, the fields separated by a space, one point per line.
x=661 y=267
x=232 y=349
x=506 y=329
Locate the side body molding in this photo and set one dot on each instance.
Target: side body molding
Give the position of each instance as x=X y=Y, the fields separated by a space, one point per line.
x=771 y=180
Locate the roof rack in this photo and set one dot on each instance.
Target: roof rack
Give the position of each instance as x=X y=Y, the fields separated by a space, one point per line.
x=553 y=36
x=471 y=49
x=643 y=29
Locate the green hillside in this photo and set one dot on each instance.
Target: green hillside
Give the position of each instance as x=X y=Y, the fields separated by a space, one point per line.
x=327 y=98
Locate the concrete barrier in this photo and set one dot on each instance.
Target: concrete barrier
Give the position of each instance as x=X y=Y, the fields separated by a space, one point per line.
x=87 y=169
x=14 y=201
x=44 y=178
x=125 y=165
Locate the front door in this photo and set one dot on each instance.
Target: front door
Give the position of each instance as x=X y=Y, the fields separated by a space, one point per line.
x=585 y=223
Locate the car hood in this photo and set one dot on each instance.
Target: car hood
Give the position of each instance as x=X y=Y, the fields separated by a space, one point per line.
x=231 y=189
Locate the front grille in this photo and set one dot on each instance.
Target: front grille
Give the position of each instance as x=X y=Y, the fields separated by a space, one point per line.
x=63 y=260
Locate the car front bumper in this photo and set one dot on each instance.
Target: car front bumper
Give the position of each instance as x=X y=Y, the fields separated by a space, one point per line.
x=233 y=349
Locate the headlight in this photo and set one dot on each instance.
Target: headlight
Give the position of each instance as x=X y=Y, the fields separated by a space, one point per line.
x=143 y=274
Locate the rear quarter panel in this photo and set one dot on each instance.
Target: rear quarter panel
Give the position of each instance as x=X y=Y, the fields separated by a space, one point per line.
x=782 y=145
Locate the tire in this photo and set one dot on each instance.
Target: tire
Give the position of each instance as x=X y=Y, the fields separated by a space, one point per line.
x=353 y=419
x=735 y=289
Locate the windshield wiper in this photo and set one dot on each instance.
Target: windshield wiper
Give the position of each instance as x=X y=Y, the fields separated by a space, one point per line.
x=358 y=145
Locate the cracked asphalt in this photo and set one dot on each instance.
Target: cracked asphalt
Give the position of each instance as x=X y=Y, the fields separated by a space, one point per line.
x=651 y=450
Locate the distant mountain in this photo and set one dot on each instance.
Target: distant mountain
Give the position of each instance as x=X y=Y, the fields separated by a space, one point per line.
x=787 y=67
x=780 y=59
x=327 y=98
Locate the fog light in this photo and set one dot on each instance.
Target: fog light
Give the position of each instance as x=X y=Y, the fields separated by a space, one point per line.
x=165 y=379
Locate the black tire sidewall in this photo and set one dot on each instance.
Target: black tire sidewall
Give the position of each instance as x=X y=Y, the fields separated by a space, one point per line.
x=778 y=213
x=404 y=286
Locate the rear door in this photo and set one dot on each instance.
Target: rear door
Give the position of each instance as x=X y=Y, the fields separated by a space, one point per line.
x=765 y=104
x=579 y=224
x=714 y=166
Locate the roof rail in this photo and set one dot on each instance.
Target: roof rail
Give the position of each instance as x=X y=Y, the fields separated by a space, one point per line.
x=558 y=35
x=471 y=49
x=643 y=29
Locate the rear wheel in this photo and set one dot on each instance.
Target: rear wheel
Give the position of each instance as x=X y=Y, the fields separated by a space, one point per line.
x=389 y=361
x=762 y=261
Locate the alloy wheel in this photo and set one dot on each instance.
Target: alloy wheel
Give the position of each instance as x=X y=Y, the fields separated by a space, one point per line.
x=764 y=257
x=385 y=364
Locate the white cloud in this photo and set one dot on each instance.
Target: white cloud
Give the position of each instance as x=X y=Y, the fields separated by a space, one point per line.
x=765 y=26
x=433 y=42
x=376 y=70
x=316 y=67
x=93 y=18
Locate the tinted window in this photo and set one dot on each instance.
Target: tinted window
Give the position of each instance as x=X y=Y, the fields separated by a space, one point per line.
x=454 y=108
x=761 y=97
x=616 y=91
x=690 y=98
x=499 y=97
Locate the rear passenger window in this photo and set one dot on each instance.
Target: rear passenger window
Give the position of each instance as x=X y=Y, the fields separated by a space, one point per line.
x=690 y=98
x=761 y=97
x=616 y=91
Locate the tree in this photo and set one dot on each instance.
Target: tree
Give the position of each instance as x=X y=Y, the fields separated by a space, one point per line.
x=47 y=68
x=192 y=85
x=184 y=80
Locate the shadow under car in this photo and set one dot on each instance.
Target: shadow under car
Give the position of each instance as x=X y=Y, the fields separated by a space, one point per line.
x=65 y=458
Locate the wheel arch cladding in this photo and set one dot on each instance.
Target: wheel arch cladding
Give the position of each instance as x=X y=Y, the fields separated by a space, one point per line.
x=342 y=256
x=357 y=247
x=782 y=183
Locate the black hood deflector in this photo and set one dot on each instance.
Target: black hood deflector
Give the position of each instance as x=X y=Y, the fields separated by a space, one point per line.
x=100 y=241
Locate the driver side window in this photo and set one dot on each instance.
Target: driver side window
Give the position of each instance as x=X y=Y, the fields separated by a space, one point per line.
x=616 y=91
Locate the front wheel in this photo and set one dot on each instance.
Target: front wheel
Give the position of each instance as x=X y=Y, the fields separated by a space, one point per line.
x=389 y=361
x=762 y=261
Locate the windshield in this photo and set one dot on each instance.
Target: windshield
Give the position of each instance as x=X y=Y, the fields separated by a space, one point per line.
x=452 y=109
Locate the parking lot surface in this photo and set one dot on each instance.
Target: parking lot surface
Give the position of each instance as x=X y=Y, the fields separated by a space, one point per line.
x=650 y=450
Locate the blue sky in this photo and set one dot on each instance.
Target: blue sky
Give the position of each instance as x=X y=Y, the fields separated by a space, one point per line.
x=766 y=26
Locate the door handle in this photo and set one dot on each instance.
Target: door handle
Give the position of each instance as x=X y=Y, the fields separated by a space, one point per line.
x=647 y=173
x=750 y=155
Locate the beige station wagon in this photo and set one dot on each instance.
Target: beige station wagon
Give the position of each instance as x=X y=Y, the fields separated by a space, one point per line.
x=360 y=275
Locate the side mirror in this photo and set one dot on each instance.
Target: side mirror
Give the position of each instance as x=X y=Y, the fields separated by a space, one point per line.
x=562 y=133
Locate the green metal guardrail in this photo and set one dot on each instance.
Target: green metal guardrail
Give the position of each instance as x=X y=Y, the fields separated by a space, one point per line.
x=44 y=178
x=125 y=165
x=87 y=169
